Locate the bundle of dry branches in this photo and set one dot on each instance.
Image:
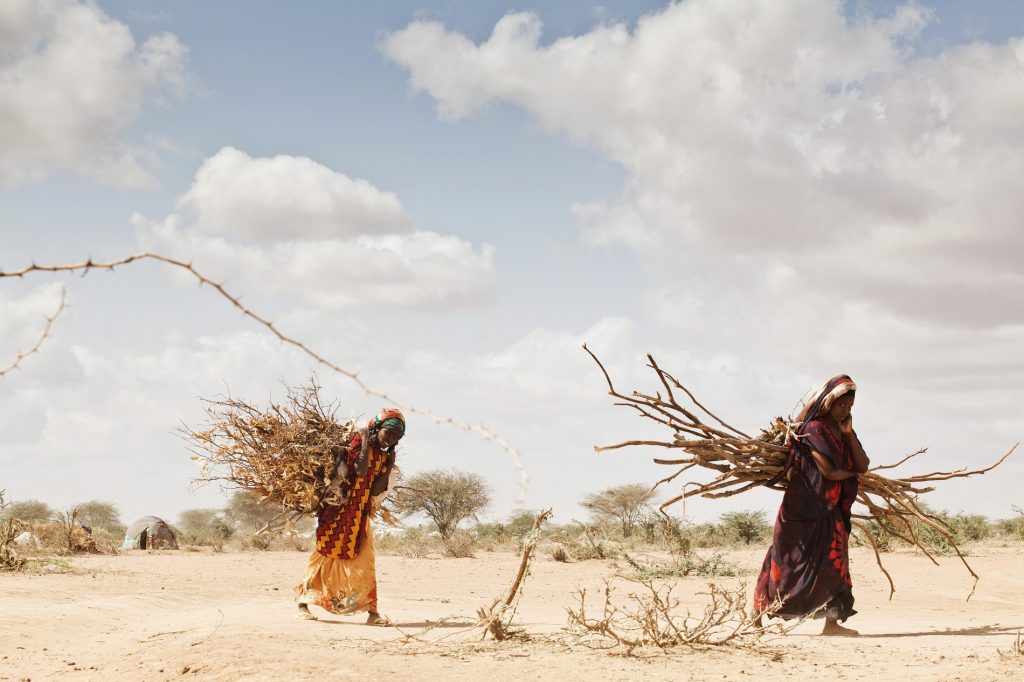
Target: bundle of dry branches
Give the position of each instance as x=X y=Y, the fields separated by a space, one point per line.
x=653 y=617
x=744 y=462
x=286 y=453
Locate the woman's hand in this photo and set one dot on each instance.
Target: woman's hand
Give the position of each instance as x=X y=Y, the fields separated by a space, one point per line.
x=846 y=425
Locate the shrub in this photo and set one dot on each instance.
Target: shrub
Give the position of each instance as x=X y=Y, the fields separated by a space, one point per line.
x=746 y=526
x=559 y=554
x=460 y=545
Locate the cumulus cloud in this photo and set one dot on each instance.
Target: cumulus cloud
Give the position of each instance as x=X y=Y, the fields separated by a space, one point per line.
x=71 y=80
x=289 y=226
x=287 y=197
x=765 y=135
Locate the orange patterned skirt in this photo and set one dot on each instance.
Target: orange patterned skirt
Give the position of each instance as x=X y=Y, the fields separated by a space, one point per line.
x=341 y=586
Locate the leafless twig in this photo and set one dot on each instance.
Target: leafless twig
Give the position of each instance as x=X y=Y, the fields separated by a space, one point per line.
x=42 y=337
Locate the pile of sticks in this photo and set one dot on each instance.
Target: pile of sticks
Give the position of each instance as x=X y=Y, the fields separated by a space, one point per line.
x=743 y=462
x=286 y=453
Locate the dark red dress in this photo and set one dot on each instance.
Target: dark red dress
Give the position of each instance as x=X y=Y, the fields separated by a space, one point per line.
x=808 y=564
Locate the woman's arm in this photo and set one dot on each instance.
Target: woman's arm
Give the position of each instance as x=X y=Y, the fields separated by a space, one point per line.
x=829 y=471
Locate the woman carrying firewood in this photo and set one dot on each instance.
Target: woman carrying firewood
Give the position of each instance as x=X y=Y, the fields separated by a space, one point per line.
x=807 y=567
x=340 y=576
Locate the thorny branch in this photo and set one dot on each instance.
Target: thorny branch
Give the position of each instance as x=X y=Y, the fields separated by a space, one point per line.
x=42 y=337
x=743 y=462
x=111 y=265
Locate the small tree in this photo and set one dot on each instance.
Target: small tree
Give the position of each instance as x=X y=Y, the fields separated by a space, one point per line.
x=204 y=527
x=28 y=511
x=96 y=514
x=445 y=497
x=196 y=520
x=624 y=503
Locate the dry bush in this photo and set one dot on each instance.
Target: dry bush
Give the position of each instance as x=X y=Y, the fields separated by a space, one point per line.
x=460 y=545
x=587 y=543
x=681 y=565
x=10 y=527
x=559 y=554
x=1016 y=650
x=415 y=543
x=652 y=616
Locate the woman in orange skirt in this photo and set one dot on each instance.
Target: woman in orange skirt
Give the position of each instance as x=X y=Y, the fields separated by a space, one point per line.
x=341 y=576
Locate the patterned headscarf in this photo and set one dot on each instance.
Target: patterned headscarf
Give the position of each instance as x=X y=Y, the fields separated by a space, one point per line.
x=389 y=418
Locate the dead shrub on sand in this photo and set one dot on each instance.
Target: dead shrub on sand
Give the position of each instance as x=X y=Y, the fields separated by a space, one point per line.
x=460 y=545
x=651 y=616
x=559 y=554
x=10 y=528
x=1016 y=650
x=414 y=543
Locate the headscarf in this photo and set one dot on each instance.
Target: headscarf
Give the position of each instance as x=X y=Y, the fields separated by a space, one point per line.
x=820 y=403
x=823 y=400
x=389 y=418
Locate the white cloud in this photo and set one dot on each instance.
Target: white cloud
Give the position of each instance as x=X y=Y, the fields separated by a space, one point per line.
x=287 y=197
x=760 y=135
x=288 y=226
x=71 y=79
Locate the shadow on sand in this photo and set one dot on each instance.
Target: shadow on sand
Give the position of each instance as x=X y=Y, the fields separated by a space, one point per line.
x=978 y=631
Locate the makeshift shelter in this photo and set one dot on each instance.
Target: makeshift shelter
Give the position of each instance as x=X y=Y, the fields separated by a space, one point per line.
x=149 y=532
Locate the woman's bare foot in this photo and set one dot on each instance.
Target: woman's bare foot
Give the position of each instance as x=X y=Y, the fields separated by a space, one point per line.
x=376 y=619
x=304 y=613
x=834 y=629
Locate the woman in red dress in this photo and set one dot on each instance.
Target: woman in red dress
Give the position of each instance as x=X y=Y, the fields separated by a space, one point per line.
x=808 y=566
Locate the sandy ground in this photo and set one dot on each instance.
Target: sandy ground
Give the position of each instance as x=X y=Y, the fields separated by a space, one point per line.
x=204 y=616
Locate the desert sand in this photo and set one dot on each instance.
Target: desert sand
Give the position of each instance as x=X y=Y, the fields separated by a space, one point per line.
x=203 y=616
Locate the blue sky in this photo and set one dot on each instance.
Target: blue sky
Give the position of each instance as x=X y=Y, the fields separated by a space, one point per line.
x=671 y=187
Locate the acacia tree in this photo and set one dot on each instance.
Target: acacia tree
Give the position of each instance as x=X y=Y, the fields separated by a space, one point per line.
x=27 y=511
x=249 y=512
x=96 y=514
x=624 y=503
x=445 y=497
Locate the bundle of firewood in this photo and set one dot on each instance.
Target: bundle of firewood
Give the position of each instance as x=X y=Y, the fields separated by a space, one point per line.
x=743 y=461
x=287 y=453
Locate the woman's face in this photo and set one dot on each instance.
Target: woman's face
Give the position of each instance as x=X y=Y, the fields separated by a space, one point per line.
x=842 y=407
x=388 y=437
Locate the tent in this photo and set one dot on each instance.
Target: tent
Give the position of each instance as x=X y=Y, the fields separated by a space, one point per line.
x=149 y=532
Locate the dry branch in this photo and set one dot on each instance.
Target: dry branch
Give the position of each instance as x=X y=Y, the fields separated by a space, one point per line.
x=89 y=265
x=42 y=337
x=743 y=462
x=493 y=617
